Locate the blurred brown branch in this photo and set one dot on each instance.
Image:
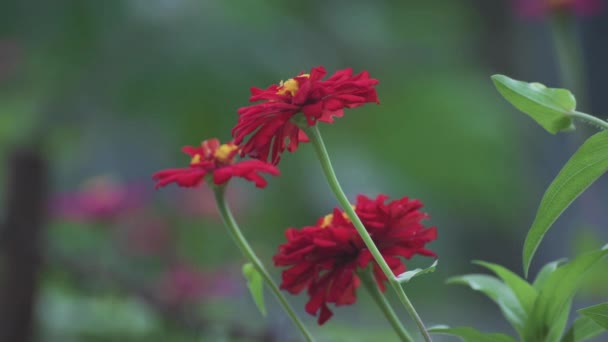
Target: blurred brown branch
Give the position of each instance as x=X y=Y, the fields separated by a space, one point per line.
x=20 y=250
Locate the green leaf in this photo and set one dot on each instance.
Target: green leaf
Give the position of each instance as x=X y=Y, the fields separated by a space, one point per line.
x=556 y=327
x=468 y=334
x=500 y=293
x=407 y=276
x=582 y=329
x=547 y=106
x=255 y=283
x=585 y=166
x=545 y=272
x=598 y=313
x=525 y=293
x=554 y=299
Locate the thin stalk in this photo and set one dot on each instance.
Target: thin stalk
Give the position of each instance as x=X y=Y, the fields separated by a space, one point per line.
x=590 y=119
x=370 y=284
x=315 y=137
x=571 y=63
x=244 y=246
x=569 y=55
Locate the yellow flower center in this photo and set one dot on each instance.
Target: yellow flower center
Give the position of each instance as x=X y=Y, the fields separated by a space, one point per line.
x=195 y=159
x=224 y=153
x=330 y=217
x=327 y=220
x=290 y=86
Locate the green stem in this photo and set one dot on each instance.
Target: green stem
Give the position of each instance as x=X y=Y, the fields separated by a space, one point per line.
x=370 y=284
x=315 y=137
x=590 y=119
x=243 y=245
x=570 y=59
x=568 y=50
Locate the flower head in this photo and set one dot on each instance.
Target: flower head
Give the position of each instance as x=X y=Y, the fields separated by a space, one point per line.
x=325 y=258
x=183 y=284
x=146 y=236
x=100 y=198
x=535 y=8
x=217 y=160
x=270 y=122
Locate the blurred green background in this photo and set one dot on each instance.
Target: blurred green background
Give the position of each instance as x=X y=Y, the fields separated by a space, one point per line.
x=109 y=91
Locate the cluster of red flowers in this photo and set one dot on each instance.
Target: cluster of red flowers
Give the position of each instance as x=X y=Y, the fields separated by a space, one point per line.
x=325 y=258
x=271 y=126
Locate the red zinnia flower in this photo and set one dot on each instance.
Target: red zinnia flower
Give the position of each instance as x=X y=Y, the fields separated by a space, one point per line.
x=325 y=258
x=269 y=122
x=535 y=8
x=217 y=160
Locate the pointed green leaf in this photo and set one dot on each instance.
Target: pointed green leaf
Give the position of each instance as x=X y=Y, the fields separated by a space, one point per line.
x=547 y=106
x=556 y=327
x=598 y=313
x=545 y=272
x=554 y=299
x=407 y=276
x=585 y=166
x=582 y=329
x=255 y=283
x=525 y=293
x=500 y=293
x=468 y=334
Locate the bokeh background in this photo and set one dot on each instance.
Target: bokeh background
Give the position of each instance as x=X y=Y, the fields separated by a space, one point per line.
x=95 y=96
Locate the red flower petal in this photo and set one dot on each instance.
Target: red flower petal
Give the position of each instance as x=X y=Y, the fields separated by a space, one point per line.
x=212 y=157
x=263 y=127
x=248 y=170
x=325 y=314
x=183 y=177
x=325 y=258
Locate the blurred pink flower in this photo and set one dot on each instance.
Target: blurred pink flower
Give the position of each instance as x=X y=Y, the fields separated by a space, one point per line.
x=146 y=235
x=536 y=8
x=184 y=284
x=201 y=203
x=99 y=199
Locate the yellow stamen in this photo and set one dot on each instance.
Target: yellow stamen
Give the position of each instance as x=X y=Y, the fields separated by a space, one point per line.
x=327 y=219
x=196 y=159
x=290 y=86
x=224 y=152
